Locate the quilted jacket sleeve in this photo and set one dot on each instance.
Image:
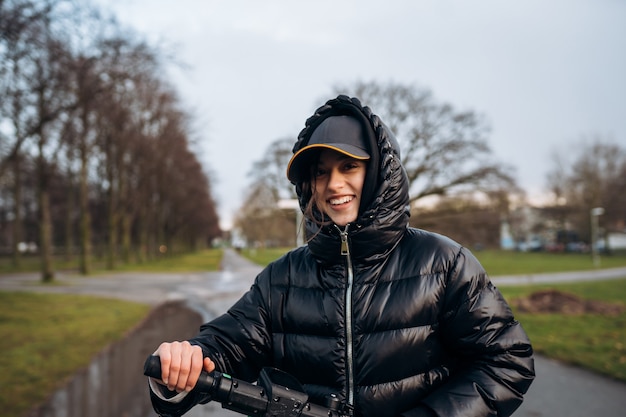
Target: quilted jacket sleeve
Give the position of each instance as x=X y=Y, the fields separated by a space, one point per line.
x=495 y=353
x=238 y=342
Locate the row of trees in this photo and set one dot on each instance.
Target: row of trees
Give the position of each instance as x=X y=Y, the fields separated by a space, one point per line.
x=450 y=165
x=95 y=148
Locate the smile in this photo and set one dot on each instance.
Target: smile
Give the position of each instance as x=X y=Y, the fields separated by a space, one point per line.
x=341 y=200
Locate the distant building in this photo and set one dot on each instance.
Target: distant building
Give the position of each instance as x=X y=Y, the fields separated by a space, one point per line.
x=616 y=240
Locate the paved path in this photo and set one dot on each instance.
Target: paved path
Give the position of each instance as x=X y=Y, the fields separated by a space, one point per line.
x=558 y=390
x=599 y=274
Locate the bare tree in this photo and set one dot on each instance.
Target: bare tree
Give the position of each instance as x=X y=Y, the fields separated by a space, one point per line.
x=444 y=150
x=464 y=219
x=38 y=99
x=18 y=20
x=593 y=176
x=122 y=65
x=271 y=169
x=260 y=219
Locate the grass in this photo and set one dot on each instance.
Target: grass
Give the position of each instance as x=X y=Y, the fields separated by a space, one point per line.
x=47 y=337
x=592 y=341
x=498 y=262
x=204 y=260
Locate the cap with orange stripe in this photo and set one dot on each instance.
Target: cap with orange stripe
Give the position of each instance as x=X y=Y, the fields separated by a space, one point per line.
x=343 y=134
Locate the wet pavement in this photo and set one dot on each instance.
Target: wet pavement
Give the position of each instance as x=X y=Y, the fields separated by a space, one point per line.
x=558 y=390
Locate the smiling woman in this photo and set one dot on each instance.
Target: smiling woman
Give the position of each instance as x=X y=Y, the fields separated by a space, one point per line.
x=388 y=319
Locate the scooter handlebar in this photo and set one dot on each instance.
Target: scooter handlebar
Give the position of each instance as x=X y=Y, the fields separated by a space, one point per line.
x=276 y=394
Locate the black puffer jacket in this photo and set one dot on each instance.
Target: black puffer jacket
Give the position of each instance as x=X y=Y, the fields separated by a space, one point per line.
x=396 y=321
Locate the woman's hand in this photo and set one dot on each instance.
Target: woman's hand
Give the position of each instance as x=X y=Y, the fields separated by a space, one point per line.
x=181 y=364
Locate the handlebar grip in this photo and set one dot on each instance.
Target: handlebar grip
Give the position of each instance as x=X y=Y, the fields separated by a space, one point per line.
x=152 y=367
x=206 y=382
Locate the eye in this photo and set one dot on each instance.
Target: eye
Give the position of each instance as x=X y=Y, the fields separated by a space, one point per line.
x=352 y=165
x=319 y=172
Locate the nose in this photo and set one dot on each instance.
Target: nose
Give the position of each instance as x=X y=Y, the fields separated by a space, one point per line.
x=336 y=179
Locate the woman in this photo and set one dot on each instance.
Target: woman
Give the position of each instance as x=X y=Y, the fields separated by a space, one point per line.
x=394 y=320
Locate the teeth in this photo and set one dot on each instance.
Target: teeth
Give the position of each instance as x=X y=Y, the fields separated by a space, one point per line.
x=341 y=200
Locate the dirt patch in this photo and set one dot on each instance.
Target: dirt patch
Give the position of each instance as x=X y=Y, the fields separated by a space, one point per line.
x=554 y=301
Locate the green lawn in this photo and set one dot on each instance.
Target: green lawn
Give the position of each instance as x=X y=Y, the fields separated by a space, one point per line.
x=204 y=260
x=593 y=341
x=498 y=262
x=45 y=338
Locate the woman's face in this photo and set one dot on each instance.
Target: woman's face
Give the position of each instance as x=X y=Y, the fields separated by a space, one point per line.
x=337 y=184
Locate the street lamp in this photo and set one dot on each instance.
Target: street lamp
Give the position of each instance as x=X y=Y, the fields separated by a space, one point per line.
x=595 y=213
x=294 y=205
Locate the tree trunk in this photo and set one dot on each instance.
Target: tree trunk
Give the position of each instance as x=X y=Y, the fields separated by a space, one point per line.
x=45 y=222
x=126 y=237
x=112 y=206
x=17 y=221
x=143 y=233
x=45 y=233
x=112 y=232
x=69 y=221
x=124 y=215
x=85 y=218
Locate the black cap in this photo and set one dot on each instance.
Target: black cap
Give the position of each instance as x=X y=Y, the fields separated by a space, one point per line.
x=340 y=133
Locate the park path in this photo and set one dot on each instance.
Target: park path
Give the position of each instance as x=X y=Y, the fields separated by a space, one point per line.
x=558 y=390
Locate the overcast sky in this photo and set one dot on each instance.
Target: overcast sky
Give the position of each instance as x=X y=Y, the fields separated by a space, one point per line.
x=545 y=73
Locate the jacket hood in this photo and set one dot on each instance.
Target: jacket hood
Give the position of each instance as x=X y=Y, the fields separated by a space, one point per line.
x=384 y=212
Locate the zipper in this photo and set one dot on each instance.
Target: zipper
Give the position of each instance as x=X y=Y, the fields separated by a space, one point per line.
x=345 y=251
